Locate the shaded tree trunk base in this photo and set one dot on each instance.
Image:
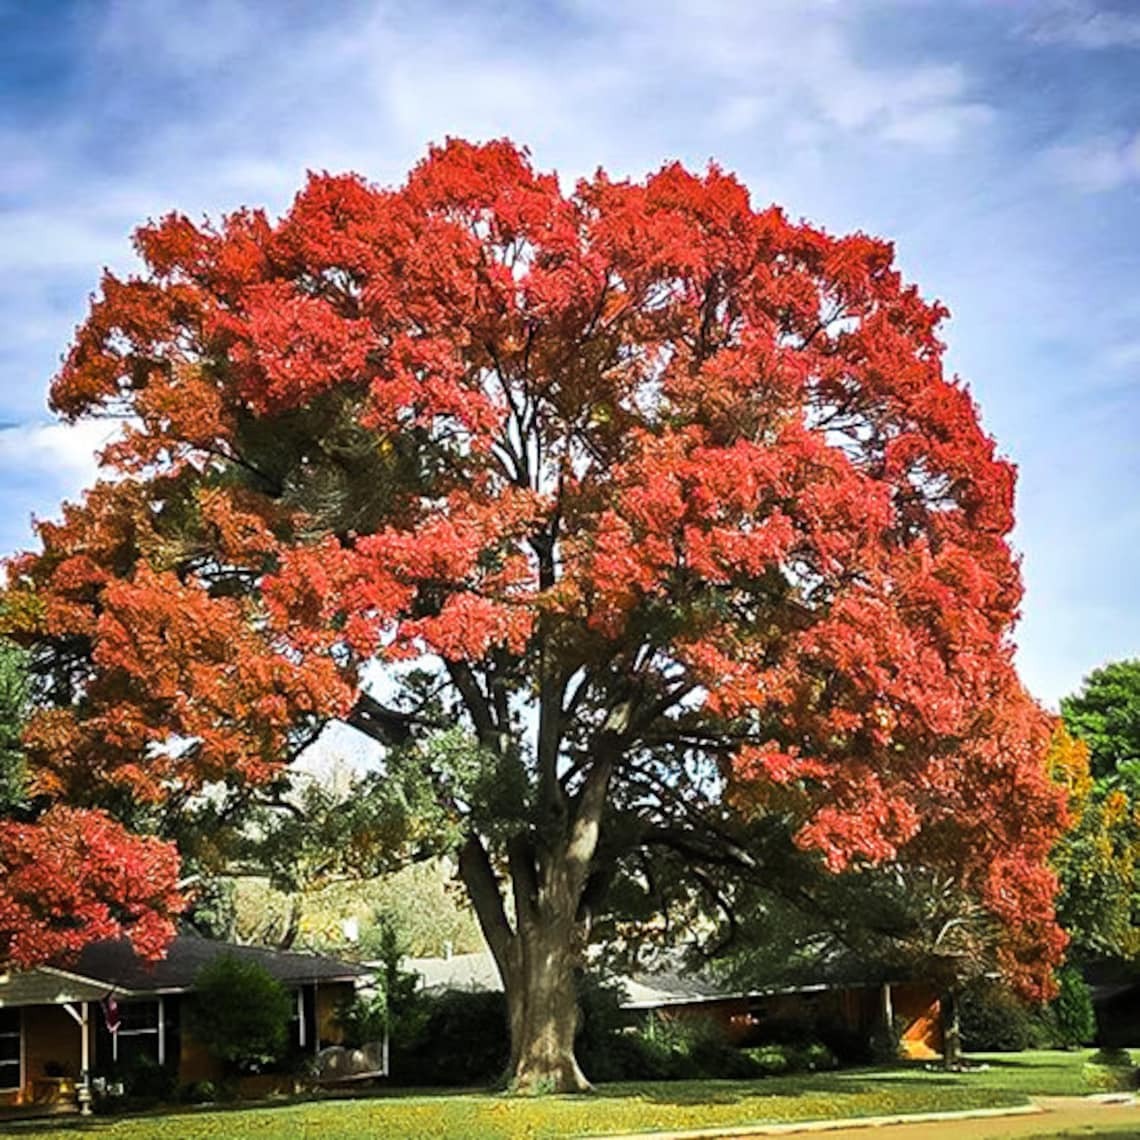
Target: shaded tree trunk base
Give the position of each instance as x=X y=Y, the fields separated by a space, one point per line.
x=537 y=1078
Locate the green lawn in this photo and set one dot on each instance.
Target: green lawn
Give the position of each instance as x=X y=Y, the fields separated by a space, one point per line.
x=613 y=1109
x=1046 y=1072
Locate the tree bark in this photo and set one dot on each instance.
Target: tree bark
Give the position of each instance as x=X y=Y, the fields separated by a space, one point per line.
x=951 y=1032
x=542 y=1005
x=539 y=954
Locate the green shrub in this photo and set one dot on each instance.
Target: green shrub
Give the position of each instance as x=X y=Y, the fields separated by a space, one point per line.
x=1109 y=1070
x=602 y=1043
x=362 y=1019
x=240 y=1013
x=774 y=1060
x=993 y=1020
x=146 y=1080
x=852 y=1046
x=885 y=1043
x=143 y=1082
x=688 y=1048
x=198 y=1092
x=1044 y=1032
x=1073 y=1009
x=460 y=1039
x=716 y=1058
x=817 y=1057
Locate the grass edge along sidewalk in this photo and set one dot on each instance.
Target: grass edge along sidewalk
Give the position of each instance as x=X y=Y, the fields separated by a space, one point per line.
x=683 y=1106
x=798 y=1127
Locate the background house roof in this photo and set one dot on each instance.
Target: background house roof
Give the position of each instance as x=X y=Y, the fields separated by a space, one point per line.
x=671 y=986
x=114 y=967
x=471 y=972
x=116 y=964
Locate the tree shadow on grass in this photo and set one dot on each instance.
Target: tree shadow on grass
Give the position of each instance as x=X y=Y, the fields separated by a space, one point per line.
x=837 y=1084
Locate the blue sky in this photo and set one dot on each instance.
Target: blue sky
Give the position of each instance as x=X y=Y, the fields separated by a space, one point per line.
x=997 y=142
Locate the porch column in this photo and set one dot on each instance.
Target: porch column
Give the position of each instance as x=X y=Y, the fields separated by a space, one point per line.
x=82 y=1018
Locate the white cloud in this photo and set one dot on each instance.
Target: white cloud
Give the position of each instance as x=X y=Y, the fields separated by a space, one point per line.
x=1098 y=164
x=795 y=64
x=42 y=465
x=62 y=454
x=939 y=129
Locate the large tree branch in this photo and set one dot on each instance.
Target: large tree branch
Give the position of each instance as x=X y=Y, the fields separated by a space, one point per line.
x=476 y=702
x=727 y=909
x=382 y=724
x=582 y=839
x=483 y=889
x=521 y=857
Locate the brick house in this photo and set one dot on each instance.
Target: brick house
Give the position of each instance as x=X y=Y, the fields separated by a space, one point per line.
x=860 y=1003
x=54 y=1034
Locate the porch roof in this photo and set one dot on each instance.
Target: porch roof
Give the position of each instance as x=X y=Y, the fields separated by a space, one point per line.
x=48 y=986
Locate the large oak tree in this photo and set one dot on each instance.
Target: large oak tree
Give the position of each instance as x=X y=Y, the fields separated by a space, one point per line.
x=663 y=499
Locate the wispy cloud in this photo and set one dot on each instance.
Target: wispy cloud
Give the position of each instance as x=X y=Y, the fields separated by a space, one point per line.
x=40 y=465
x=54 y=453
x=1085 y=24
x=1098 y=164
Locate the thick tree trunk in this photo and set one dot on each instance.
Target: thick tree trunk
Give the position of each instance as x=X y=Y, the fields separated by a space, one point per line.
x=539 y=953
x=542 y=1005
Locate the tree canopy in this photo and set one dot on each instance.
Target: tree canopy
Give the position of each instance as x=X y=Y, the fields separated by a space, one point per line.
x=663 y=500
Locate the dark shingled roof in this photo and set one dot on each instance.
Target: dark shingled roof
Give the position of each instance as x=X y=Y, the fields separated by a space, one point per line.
x=116 y=964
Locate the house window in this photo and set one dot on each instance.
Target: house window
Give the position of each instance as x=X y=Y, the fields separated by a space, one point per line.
x=140 y=1032
x=303 y=1020
x=10 y=1049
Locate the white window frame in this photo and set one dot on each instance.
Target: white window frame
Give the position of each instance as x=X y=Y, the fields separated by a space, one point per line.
x=158 y=1031
x=19 y=1035
x=301 y=1017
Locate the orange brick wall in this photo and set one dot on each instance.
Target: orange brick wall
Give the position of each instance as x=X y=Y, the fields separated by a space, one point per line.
x=194 y=1063
x=51 y=1036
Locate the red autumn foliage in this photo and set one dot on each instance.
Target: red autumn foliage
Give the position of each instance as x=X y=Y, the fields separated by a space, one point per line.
x=75 y=877
x=694 y=456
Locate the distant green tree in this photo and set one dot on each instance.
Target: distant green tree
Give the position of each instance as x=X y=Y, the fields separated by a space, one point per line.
x=1073 y=1007
x=1097 y=757
x=1105 y=714
x=240 y=1013
x=426 y=907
